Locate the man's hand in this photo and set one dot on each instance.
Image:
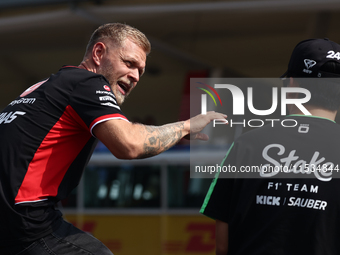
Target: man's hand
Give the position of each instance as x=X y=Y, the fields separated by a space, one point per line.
x=199 y=122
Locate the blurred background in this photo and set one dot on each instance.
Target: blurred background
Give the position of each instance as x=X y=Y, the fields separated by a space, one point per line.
x=151 y=206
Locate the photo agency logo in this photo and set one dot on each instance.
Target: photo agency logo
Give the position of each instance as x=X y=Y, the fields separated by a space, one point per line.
x=204 y=97
x=238 y=104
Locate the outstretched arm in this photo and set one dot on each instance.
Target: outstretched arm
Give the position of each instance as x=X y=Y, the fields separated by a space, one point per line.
x=128 y=140
x=159 y=139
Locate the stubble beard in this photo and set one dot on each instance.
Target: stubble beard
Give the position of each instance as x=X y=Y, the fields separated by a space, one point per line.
x=119 y=97
x=106 y=72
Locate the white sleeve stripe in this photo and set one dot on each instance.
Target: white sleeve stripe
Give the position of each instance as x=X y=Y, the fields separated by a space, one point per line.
x=111 y=105
x=100 y=121
x=31 y=201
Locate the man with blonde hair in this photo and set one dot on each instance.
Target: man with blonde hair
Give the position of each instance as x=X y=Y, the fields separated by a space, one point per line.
x=48 y=133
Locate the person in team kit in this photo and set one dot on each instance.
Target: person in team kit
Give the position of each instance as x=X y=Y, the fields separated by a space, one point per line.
x=48 y=133
x=295 y=211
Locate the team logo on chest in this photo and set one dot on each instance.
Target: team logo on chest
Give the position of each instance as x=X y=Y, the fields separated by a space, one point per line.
x=107 y=88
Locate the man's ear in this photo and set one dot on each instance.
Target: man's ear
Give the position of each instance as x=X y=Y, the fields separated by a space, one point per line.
x=98 y=52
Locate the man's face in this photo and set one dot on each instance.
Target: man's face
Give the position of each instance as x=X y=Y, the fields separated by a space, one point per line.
x=122 y=67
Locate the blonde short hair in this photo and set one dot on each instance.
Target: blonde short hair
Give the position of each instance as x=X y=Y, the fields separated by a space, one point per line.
x=117 y=33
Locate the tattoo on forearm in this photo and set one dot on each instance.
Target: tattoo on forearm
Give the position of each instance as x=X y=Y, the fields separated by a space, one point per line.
x=159 y=139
